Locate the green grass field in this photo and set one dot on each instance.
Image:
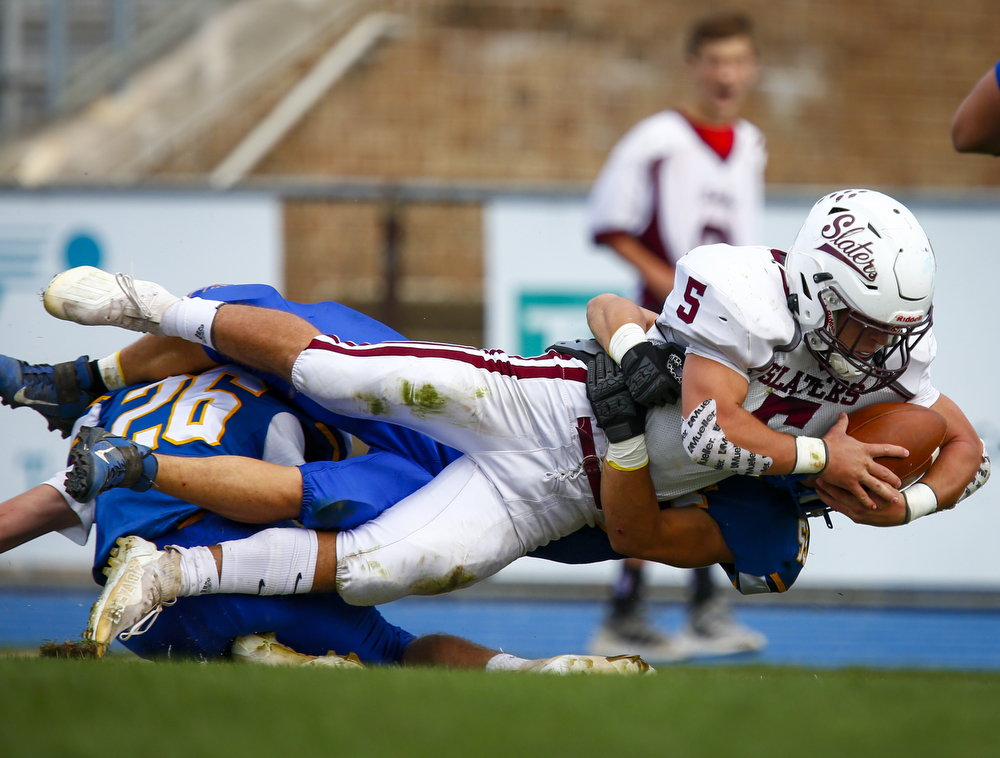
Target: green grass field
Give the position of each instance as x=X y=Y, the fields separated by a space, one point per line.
x=121 y=707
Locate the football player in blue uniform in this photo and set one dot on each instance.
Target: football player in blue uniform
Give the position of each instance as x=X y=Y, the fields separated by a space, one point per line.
x=228 y=411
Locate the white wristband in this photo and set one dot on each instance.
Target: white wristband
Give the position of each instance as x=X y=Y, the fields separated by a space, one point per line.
x=629 y=455
x=111 y=371
x=623 y=340
x=920 y=500
x=811 y=455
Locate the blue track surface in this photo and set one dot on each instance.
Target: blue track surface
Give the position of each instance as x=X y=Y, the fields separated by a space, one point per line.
x=821 y=637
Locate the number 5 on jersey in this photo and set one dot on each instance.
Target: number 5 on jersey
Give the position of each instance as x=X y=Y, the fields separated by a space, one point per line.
x=687 y=310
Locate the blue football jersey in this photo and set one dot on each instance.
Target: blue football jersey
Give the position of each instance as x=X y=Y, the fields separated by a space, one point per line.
x=347 y=324
x=225 y=411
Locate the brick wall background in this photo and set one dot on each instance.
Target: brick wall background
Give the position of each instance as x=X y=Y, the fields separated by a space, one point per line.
x=857 y=92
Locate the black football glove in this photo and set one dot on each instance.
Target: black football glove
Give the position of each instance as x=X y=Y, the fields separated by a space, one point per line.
x=616 y=412
x=653 y=372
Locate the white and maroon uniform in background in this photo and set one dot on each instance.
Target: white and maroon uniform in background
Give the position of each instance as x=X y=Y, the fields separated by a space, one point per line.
x=675 y=187
x=531 y=444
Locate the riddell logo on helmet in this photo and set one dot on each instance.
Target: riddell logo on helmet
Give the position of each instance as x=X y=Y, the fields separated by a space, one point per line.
x=907 y=319
x=856 y=254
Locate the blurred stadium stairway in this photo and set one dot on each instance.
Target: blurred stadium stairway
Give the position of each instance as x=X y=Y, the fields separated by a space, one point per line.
x=112 y=118
x=58 y=55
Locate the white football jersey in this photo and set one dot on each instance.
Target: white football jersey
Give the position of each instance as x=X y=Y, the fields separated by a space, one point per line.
x=664 y=185
x=729 y=305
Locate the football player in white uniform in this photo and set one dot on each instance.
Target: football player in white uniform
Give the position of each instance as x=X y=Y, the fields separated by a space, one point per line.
x=765 y=376
x=678 y=180
x=691 y=176
x=762 y=379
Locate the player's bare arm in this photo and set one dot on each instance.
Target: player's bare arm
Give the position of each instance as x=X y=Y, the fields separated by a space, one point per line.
x=657 y=273
x=262 y=338
x=975 y=127
x=681 y=537
x=960 y=457
x=850 y=464
x=242 y=489
x=152 y=358
x=31 y=514
x=957 y=465
x=607 y=313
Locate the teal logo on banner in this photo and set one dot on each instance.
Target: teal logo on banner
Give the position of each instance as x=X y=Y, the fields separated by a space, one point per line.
x=544 y=317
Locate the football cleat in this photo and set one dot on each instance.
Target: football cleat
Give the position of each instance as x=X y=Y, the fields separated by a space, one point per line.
x=58 y=392
x=712 y=631
x=100 y=461
x=265 y=649
x=591 y=664
x=141 y=580
x=632 y=634
x=90 y=296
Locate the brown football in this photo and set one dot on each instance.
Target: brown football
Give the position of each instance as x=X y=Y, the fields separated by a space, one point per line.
x=920 y=430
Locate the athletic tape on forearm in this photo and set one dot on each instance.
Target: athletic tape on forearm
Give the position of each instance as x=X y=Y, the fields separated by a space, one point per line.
x=920 y=500
x=111 y=371
x=628 y=455
x=706 y=444
x=982 y=475
x=811 y=455
x=623 y=340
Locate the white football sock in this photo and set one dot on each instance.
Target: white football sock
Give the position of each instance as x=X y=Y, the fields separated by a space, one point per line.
x=271 y=562
x=111 y=372
x=199 y=576
x=190 y=318
x=506 y=662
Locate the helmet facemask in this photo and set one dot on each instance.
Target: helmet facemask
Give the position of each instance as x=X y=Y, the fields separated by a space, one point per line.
x=839 y=345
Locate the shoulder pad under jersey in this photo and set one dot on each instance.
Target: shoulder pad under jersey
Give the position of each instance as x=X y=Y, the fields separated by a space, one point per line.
x=729 y=304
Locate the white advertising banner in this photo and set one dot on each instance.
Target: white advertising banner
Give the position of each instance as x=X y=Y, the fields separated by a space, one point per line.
x=181 y=240
x=541 y=269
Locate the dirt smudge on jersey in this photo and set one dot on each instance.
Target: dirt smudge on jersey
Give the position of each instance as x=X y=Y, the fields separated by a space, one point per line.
x=375 y=404
x=423 y=399
x=456 y=579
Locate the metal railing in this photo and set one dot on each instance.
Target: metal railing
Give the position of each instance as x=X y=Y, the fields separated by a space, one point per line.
x=58 y=55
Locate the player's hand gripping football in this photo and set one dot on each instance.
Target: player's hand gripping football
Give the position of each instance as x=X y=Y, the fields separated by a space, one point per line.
x=616 y=411
x=852 y=476
x=884 y=513
x=653 y=373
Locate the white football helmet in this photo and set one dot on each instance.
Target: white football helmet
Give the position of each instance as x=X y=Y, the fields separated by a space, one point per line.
x=860 y=277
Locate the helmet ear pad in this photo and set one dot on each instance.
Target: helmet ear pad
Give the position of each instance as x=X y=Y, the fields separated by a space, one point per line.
x=806 y=280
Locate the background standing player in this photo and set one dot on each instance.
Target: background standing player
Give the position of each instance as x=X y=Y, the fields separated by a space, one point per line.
x=679 y=179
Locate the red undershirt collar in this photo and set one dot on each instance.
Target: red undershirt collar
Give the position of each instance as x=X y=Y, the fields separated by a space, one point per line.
x=719 y=138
